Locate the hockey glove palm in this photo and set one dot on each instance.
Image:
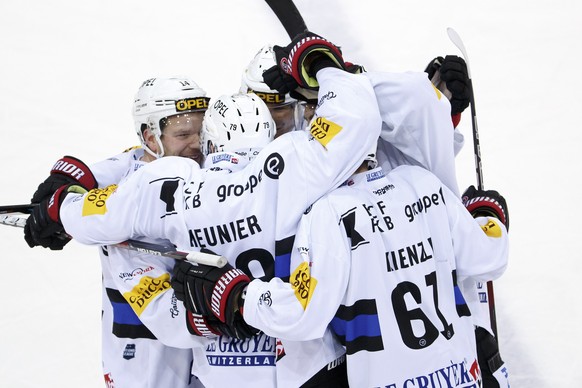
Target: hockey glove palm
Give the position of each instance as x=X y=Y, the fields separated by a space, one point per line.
x=486 y=203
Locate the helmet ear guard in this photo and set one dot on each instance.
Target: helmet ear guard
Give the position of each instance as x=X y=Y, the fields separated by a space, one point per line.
x=159 y=98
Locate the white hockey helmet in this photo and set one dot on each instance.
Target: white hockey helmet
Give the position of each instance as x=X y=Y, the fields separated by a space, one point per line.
x=159 y=98
x=236 y=123
x=252 y=78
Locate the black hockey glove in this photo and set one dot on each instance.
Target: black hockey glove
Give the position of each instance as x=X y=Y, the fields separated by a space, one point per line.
x=67 y=170
x=304 y=57
x=43 y=226
x=486 y=203
x=212 y=291
x=453 y=72
x=209 y=326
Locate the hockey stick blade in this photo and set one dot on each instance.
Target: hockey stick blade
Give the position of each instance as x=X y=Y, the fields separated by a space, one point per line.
x=288 y=15
x=457 y=41
x=165 y=250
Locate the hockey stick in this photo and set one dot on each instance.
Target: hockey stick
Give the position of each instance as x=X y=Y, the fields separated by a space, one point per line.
x=288 y=15
x=25 y=209
x=456 y=39
x=165 y=250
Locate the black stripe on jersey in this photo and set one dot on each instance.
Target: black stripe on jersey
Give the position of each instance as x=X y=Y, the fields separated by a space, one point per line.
x=283 y=257
x=349 y=221
x=358 y=327
x=460 y=303
x=126 y=323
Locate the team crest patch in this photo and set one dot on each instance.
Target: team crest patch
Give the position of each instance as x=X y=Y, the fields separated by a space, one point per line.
x=492 y=229
x=303 y=284
x=147 y=290
x=324 y=130
x=129 y=351
x=95 y=201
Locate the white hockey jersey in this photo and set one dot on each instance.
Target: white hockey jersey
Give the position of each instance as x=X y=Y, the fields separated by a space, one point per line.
x=248 y=216
x=380 y=258
x=132 y=355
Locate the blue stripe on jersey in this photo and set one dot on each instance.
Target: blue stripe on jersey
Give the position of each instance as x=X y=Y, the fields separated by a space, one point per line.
x=460 y=302
x=124 y=314
x=283 y=257
x=358 y=327
x=126 y=323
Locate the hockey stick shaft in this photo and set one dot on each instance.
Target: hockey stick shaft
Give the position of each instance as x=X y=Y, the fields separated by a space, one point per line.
x=25 y=209
x=165 y=250
x=457 y=41
x=288 y=15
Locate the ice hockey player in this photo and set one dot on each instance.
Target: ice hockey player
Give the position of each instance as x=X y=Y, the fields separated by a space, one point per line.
x=173 y=199
x=167 y=114
x=379 y=260
x=283 y=107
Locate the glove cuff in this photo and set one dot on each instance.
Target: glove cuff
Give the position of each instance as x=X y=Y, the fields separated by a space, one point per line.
x=76 y=170
x=226 y=286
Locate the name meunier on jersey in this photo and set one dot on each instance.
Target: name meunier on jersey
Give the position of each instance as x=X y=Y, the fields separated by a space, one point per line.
x=224 y=233
x=409 y=256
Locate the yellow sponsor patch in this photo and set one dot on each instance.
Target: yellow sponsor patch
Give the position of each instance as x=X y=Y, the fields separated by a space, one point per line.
x=303 y=284
x=188 y=104
x=148 y=288
x=96 y=199
x=438 y=92
x=492 y=229
x=324 y=130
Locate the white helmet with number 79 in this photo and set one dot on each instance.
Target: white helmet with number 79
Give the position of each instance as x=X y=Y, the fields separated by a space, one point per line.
x=160 y=98
x=237 y=123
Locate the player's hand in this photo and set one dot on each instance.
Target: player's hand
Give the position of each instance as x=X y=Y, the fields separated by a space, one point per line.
x=43 y=227
x=67 y=170
x=486 y=203
x=304 y=57
x=209 y=290
x=453 y=72
x=455 y=75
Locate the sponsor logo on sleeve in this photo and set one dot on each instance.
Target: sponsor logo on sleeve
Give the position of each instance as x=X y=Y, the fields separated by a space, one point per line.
x=324 y=130
x=147 y=290
x=303 y=284
x=492 y=229
x=95 y=201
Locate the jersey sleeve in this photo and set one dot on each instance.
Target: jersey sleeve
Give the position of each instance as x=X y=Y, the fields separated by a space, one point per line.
x=481 y=245
x=416 y=125
x=301 y=309
x=144 y=282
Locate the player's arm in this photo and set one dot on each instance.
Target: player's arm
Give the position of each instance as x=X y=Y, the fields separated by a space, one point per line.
x=302 y=308
x=481 y=244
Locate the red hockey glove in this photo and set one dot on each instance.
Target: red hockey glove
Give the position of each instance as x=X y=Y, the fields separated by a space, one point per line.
x=43 y=227
x=208 y=290
x=67 y=170
x=484 y=203
x=213 y=296
x=304 y=57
